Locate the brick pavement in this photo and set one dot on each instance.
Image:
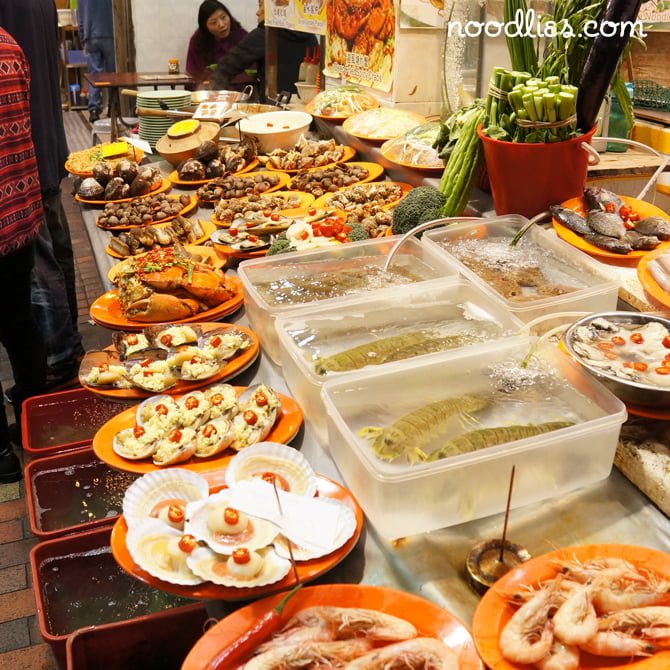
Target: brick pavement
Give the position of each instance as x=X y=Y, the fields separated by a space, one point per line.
x=21 y=646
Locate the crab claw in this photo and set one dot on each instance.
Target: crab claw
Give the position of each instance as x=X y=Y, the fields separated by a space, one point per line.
x=206 y=285
x=162 y=307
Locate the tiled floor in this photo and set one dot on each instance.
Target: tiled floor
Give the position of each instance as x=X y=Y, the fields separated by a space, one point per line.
x=21 y=646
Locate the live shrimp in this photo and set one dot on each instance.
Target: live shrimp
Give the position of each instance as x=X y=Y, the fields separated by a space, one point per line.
x=311 y=655
x=421 y=652
x=411 y=432
x=615 y=644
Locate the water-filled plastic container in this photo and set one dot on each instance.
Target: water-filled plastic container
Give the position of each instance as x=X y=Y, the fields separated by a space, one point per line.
x=155 y=642
x=73 y=491
x=270 y=283
x=312 y=340
x=66 y=420
x=402 y=499
x=77 y=583
x=596 y=287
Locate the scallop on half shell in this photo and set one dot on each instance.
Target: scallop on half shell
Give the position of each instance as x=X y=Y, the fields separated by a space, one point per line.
x=225 y=529
x=213 y=437
x=194 y=409
x=155 y=548
x=150 y=371
x=128 y=344
x=264 y=567
x=175 y=447
x=103 y=368
x=259 y=408
x=272 y=460
x=135 y=443
x=191 y=364
x=222 y=401
x=151 y=495
x=158 y=410
x=224 y=343
x=171 y=336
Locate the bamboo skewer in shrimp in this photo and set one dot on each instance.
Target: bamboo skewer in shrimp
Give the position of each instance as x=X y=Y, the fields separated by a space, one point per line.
x=407 y=436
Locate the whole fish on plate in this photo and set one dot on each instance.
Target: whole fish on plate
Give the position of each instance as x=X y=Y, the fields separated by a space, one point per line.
x=654 y=225
x=606 y=223
x=570 y=219
x=639 y=241
x=597 y=197
x=612 y=244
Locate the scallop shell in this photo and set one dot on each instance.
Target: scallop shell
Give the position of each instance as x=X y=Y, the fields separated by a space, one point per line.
x=263 y=533
x=151 y=546
x=178 y=334
x=206 y=447
x=228 y=406
x=184 y=369
x=204 y=561
x=150 y=371
x=246 y=434
x=278 y=459
x=197 y=416
x=91 y=375
x=345 y=530
x=170 y=452
x=161 y=486
x=233 y=341
x=146 y=414
x=125 y=343
x=144 y=446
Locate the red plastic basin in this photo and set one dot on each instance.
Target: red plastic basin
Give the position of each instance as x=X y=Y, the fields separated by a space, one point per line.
x=58 y=422
x=72 y=492
x=78 y=584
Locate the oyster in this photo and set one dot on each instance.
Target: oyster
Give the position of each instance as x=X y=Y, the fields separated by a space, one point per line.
x=153 y=493
x=258 y=568
x=225 y=529
x=191 y=170
x=213 y=437
x=156 y=548
x=103 y=172
x=171 y=336
x=176 y=447
x=222 y=401
x=161 y=411
x=126 y=170
x=91 y=189
x=194 y=409
x=116 y=189
x=128 y=344
x=273 y=461
x=223 y=343
x=259 y=407
x=136 y=442
x=103 y=368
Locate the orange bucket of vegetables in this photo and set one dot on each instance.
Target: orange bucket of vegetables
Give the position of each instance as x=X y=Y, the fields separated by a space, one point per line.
x=528 y=177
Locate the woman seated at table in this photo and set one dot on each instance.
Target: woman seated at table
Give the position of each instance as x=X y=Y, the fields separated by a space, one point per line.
x=218 y=32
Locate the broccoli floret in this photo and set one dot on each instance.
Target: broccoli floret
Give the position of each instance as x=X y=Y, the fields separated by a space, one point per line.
x=419 y=205
x=280 y=246
x=358 y=233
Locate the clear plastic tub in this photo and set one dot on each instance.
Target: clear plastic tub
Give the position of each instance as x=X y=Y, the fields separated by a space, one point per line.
x=594 y=288
x=270 y=283
x=446 y=308
x=402 y=499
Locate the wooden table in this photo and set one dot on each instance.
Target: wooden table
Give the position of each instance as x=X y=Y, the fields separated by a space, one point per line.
x=115 y=81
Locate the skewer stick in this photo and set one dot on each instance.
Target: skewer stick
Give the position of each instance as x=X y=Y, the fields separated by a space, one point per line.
x=507 y=506
x=288 y=542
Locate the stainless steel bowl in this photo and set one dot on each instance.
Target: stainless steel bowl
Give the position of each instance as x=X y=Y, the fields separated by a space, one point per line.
x=628 y=391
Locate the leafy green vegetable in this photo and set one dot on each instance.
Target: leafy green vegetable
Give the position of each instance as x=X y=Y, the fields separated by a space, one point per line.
x=412 y=209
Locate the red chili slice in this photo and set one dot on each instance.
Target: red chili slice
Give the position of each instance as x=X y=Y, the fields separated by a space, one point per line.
x=166 y=339
x=619 y=341
x=241 y=555
x=188 y=543
x=231 y=516
x=637 y=338
x=191 y=402
x=138 y=431
x=174 y=435
x=161 y=409
x=260 y=399
x=175 y=513
x=250 y=417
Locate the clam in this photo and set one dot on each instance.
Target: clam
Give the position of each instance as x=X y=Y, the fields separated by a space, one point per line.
x=259 y=408
x=151 y=494
x=273 y=461
x=136 y=442
x=128 y=344
x=150 y=371
x=103 y=368
x=91 y=189
x=257 y=568
x=224 y=343
x=193 y=364
x=346 y=528
x=156 y=548
x=194 y=409
x=225 y=529
x=213 y=437
x=171 y=336
x=222 y=401
x=161 y=411
x=177 y=446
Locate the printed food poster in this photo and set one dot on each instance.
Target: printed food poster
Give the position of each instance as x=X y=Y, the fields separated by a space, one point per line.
x=656 y=12
x=311 y=16
x=280 y=14
x=360 y=41
x=422 y=13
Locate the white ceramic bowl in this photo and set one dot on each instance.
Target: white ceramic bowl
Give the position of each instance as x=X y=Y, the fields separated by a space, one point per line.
x=306 y=92
x=276 y=130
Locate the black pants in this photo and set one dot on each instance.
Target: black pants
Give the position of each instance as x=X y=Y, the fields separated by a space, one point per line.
x=19 y=332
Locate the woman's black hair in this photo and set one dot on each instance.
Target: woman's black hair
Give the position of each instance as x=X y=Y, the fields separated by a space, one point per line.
x=205 y=38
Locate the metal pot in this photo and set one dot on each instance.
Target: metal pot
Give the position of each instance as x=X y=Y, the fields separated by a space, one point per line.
x=230 y=97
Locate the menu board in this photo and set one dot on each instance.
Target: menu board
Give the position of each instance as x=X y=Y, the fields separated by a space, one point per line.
x=360 y=41
x=308 y=16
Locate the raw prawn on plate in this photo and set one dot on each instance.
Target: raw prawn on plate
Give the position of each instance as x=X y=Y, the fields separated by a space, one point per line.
x=579 y=607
